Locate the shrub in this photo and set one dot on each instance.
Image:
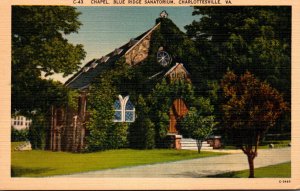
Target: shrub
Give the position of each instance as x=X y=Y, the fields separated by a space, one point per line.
x=142 y=131
x=19 y=135
x=38 y=132
x=149 y=131
x=117 y=136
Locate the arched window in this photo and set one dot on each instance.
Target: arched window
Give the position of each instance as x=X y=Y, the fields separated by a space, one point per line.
x=129 y=112
x=124 y=110
x=118 y=111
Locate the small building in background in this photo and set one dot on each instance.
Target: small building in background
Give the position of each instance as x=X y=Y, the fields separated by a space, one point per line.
x=20 y=122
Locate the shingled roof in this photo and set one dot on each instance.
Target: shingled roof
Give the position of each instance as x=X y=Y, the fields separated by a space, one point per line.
x=83 y=78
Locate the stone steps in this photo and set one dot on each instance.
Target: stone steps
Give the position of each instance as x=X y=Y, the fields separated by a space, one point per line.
x=191 y=144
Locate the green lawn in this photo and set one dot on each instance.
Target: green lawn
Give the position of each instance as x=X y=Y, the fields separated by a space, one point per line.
x=39 y=163
x=265 y=144
x=274 y=171
x=276 y=143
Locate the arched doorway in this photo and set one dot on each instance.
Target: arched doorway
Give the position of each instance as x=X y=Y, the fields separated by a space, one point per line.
x=178 y=110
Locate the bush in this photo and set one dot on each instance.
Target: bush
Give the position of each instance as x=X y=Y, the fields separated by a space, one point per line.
x=149 y=131
x=19 y=135
x=38 y=132
x=113 y=137
x=117 y=136
x=142 y=131
x=96 y=140
x=142 y=134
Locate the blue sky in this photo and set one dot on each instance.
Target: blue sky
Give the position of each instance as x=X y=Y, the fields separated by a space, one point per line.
x=107 y=28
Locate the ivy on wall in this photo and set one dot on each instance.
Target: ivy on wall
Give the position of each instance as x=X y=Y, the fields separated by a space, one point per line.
x=152 y=97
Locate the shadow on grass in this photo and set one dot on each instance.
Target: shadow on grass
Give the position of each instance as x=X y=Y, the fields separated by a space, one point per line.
x=17 y=171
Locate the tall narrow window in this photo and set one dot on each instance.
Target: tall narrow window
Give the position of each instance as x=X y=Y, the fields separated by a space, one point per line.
x=124 y=110
x=129 y=112
x=118 y=111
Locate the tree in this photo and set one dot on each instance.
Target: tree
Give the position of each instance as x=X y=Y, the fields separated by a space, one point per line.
x=244 y=38
x=39 y=48
x=100 y=109
x=103 y=132
x=241 y=38
x=44 y=93
x=250 y=108
x=199 y=124
x=142 y=131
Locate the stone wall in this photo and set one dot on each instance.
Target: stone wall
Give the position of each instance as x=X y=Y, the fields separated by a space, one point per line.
x=67 y=132
x=139 y=51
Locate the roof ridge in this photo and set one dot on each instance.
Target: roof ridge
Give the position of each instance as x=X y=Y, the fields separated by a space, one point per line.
x=140 y=37
x=149 y=31
x=175 y=66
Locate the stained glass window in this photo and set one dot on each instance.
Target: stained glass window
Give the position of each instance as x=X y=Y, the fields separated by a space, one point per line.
x=124 y=110
x=118 y=111
x=117 y=105
x=129 y=105
x=129 y=116
x=118 y=116
x=129 y=112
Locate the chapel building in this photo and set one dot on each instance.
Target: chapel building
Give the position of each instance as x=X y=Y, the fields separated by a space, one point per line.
x=68 y=127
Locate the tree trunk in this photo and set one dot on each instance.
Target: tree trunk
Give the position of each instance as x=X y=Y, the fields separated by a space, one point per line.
x=199 y=145
x=251 y=166
x=251 y=154
x=51 y=128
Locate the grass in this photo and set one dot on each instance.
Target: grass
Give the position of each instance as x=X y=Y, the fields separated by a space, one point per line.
x=277 y=144
x=282 y=170
x=38 y=163
x=265 y=144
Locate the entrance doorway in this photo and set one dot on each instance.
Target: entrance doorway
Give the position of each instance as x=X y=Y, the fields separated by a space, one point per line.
x=177 y=111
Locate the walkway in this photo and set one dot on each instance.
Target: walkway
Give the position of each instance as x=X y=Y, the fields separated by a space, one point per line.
x=195 y=168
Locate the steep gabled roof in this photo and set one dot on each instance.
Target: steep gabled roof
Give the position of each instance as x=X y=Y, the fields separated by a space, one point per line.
x=95 y=67
x=165 y=72
x=144 y=36
x=174 y=67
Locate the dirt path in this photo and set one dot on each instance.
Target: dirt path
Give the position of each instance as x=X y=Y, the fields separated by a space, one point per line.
x=196 y=167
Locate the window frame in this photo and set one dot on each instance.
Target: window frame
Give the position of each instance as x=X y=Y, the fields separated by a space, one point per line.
x=123 y=103
x=129 y=110
x=118 y=110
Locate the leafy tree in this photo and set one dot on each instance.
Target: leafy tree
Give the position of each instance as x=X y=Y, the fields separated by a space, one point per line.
x=103 y=133
x=38 y=131
x=257 y=39
x=49 y=93
x=198 y=124
x=39 y=47
x=142 y=131
x=100 y=109
x=244 y=38
x=250 y=108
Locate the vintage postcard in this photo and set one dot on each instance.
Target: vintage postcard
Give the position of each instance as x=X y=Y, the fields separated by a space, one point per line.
x=149 y=95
